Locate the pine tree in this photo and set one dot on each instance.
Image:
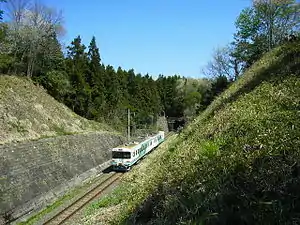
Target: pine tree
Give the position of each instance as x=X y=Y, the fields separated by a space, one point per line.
x=95 y=79
x=171 y=104
x=77 y=67
x=112 y=91
x=122 y=77
x=131 y=88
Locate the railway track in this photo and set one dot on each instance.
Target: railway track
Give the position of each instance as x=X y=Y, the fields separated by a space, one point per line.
x=68 y=212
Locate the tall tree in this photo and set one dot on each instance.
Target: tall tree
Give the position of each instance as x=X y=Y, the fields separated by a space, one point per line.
x=95 y=78
x=112 y=91
x=77 y=67
x=30 y=25
x=155 y=102
x=50 y=57
x=167 y=88
x=123 y=83
x=281 y=17
x=50 y=69
x=223 y=63
x=131 y=88
x=264 y=26
x=6 y=59
x=94 y=63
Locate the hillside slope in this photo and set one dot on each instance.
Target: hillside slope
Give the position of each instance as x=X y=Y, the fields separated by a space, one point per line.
x=27 y=112
x=238 y=163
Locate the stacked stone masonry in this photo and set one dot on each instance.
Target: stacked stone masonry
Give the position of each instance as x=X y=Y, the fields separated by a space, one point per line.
x=29 y=170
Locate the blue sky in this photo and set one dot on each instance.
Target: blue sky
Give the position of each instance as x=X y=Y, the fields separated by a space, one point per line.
x=153 y=36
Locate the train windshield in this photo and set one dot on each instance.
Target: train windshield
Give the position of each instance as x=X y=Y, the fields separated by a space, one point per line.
x=121 y=155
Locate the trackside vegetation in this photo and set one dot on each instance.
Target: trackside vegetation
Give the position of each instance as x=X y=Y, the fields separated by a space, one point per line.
x=237 y=163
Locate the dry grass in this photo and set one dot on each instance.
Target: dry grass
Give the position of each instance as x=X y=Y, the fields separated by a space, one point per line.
x=104 y=215
x=27 y=112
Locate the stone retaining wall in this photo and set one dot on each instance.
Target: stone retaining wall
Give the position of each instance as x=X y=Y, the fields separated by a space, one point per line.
x=29 y=172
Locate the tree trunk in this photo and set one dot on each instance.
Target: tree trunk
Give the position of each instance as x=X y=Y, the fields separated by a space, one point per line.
x=236 y=69
x=29 y=61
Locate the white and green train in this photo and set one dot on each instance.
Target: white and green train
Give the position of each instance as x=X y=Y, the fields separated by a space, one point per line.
x=125 y=156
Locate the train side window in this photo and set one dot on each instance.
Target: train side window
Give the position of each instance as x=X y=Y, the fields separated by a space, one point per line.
x=133 y=154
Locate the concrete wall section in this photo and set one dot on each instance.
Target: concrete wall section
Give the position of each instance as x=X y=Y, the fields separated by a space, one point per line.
x=30 y=170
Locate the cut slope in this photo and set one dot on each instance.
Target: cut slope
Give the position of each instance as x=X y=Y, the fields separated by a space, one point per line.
x=27 y=112
x=237 y=164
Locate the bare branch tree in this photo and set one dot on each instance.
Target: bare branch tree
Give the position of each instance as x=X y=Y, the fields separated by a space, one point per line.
x=15 y=9
x=1 y=11
x=31 y=23
x=223 y=64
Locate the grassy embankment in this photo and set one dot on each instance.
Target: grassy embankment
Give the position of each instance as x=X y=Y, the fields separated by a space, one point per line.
x=27 y=112
x=238 y=163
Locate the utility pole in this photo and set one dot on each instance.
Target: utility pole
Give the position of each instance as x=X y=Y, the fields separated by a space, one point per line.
x=133 y=125
x=128 y=128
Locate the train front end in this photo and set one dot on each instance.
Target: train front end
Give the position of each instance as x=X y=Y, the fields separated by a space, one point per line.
x=121 y=159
